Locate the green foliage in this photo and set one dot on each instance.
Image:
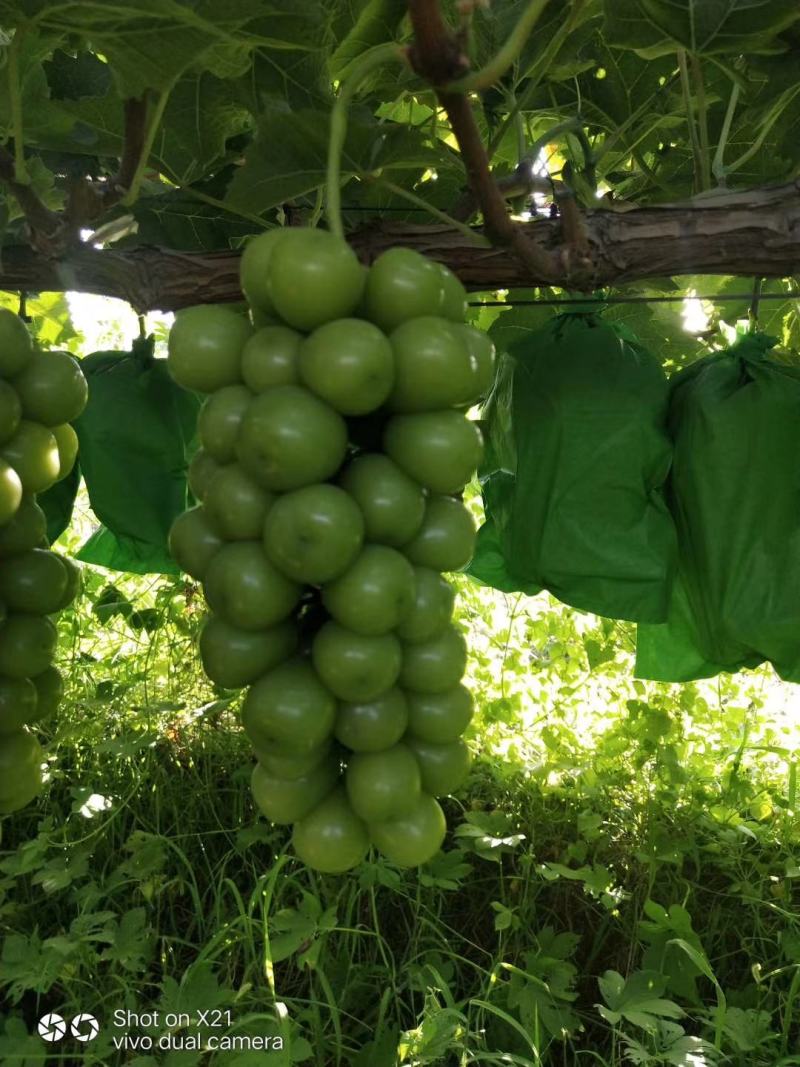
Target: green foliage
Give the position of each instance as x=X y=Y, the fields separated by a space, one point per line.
x=636 y=999
x=621 y=874
x=288 y=157
x=376 y=21
x=242 y=137
x=621 y=881
x=239 y=101
x=654 y=27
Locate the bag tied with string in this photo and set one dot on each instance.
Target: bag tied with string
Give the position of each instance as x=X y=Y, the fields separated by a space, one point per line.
x=735 y=493
x=576 y=458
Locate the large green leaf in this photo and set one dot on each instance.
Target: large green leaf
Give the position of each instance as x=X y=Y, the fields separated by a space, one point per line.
x=622 y=85
x=656 y=27
x=149 y=43
x=377 y=22
x=203 y=112
x=299 y=75
x=68 y=102
x=659 y=327
x=494 y=23
x=372 y=199
x=299 y=78
x=92 y=126
x=182 y=222
x=517 y=321
x=34 y=92
x=289 y=155
x=73 y=77
x=769 y=117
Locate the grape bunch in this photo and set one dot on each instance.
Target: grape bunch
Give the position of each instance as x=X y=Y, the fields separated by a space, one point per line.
x=40 y=394
x=334 y=447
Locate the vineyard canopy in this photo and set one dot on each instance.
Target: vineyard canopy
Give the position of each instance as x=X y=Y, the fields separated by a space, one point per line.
x=172 y=133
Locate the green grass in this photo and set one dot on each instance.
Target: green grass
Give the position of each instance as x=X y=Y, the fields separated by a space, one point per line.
x=620 y=883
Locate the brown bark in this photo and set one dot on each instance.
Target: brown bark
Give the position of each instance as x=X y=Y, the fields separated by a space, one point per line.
x=436 y=55
x=46 y=225
x=750 y=233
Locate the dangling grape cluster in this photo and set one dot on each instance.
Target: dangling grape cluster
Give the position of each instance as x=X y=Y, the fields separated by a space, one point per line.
x=335 y=445
x=40 y=394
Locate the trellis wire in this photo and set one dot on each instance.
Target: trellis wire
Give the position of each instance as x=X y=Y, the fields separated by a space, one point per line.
x=553 y=301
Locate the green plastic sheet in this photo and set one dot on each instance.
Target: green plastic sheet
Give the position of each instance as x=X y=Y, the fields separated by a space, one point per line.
x=735 y=493
x=135 y=438
x=576 y=459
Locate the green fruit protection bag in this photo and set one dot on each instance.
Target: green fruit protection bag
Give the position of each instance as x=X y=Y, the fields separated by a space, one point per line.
x=735 y=493
x=135 y=437
x=576 y=458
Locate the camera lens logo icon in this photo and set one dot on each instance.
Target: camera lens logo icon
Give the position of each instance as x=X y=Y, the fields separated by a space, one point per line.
x=85 y=1027
x=52 y=1028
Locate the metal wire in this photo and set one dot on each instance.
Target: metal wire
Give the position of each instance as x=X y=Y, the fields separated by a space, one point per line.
x=554 y=301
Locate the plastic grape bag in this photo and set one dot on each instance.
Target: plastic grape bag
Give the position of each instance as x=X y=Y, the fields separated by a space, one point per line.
x=735 y=494
x=576 y=458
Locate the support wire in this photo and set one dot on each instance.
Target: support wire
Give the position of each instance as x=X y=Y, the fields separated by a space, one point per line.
x=555 y=301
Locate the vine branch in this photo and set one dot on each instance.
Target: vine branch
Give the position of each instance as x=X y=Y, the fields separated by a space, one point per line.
x=53 y=232
x=437 y=56
x=44 y=223
x=88 y=201
x=751 y=232
x=132 y=150
x=149 y=129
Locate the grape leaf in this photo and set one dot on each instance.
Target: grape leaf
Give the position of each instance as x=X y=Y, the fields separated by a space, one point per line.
x=149 y=43
x=73 y=77
x=377 y=22
x=289 y=155
x=493 y=24
x=202 y=113
x=187 y=224
x=517 y=321
x=657 y=27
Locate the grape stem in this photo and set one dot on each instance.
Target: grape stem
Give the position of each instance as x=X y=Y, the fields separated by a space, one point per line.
x=694 y=139
x=15 y=96
x=718 y=165
x=375 y=57
x=502 y=60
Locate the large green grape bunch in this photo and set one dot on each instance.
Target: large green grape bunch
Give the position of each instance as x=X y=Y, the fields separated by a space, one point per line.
x=334 y=447
x=40 y=394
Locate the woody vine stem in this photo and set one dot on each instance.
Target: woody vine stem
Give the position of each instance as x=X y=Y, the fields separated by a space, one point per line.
x=437 y=56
